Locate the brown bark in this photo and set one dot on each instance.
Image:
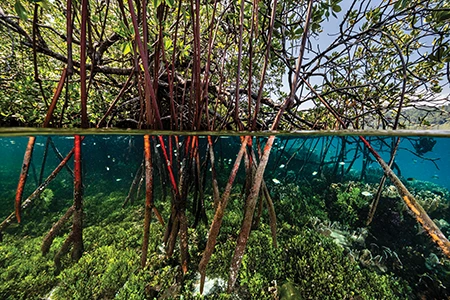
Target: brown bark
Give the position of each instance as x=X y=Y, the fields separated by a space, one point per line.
x=56 y=95
x=23 y=175
x=37 y=191
x=77 y=227
x=64 y=249
x=415 y=208
x=272 y=215
x=248 y=217
x=133 y=187
x=148 y=198
x=56 y=228
x=218 y=216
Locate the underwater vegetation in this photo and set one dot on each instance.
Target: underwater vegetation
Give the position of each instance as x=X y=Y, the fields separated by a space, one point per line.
x=322 y=247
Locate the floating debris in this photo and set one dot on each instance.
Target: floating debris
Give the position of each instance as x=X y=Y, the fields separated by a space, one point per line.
x=276 y=181
x=367 y=194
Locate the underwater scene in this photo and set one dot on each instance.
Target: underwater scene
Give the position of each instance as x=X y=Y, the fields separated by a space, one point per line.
x=219 y=217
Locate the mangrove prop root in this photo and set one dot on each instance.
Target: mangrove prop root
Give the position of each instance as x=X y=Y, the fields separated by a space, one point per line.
x=56 y=95
x=258 y=213
x=172 y=237
x=148 y=198
x=38 y=191
x=158 y=215
x=60 y=157
x=180 y=204
x=23 y=175
x=248 y=216
x=44 y=160
x=376 y=200
x=64 y=249
x=272 y=215
x=147 y=219
x=218 y=216
x=56 y=228
x=134 y=185
x=215 y=185
x=77 y=227
x=416 y=209
x=184 y=242
x=269 y=202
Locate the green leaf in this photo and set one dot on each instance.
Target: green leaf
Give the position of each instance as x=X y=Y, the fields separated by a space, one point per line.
x=167 y=43
x=127 y=48
x=156 y=3
x=401 y=4
x=20 y=10
x=436 y=88
x=170 y=3
x=443 y=16
x=336 y=8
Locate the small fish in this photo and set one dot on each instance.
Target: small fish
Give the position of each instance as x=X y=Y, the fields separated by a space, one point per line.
x=415 y=161
x=366 y=194
x=109 y=156
x=40 y=144
x=276 y=181
x=113 y=160
x=281 y=166
x=13 y=142
x=119 y=179
x=435 y=176
x=69 y=137
x=342 y=163
x=107 y=168
x=94 y=143
x=158 y=145
x=315 y=173
x=411 y=179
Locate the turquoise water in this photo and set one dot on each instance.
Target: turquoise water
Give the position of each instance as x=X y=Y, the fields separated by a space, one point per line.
x=320 y=186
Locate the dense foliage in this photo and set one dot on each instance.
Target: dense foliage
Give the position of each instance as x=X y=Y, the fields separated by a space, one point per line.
x=363 y=58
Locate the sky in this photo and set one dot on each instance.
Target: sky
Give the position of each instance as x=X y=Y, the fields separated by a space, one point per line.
x=330 y=29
